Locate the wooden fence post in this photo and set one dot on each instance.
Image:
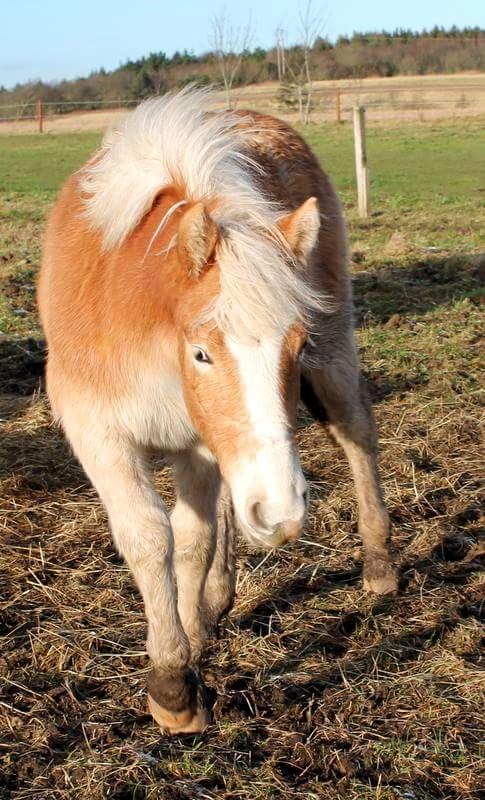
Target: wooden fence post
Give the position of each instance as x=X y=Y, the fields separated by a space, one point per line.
x=361 y=169
x=40 y=115
x=337 y=106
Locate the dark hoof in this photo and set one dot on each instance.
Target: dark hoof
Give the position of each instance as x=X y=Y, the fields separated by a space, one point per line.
x=176 y=702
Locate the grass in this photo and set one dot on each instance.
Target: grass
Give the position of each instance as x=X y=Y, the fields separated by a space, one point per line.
x=37 y=165
x=409 y=163
x=322 y=691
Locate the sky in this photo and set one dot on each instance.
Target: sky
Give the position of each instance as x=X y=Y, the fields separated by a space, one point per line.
x=55 y=39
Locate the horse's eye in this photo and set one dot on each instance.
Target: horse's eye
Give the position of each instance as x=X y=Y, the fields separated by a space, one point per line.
x=201 y=356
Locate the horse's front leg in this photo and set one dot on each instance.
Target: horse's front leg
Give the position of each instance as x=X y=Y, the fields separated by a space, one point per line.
x=335 y=392
x=142 y=532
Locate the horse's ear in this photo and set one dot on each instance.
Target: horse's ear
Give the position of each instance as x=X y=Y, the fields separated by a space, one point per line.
x=300 y=229
x=197 y=237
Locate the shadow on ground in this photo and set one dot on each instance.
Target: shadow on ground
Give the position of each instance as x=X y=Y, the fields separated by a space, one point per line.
x=418 y=288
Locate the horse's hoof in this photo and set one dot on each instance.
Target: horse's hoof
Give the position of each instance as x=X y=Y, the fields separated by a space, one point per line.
x=186 y=721
x=177 y=701
x=380 y=578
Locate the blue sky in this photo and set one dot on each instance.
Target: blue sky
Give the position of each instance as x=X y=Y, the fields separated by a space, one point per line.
x=54 y=39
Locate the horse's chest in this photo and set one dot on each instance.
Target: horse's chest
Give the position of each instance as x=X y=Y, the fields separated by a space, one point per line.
x=155 y=413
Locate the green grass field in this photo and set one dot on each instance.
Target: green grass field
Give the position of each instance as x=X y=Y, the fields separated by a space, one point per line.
x=415 y=162
x=323 y=692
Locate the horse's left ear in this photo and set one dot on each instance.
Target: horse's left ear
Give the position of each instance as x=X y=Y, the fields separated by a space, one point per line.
x=196 y=240
x=300 y=229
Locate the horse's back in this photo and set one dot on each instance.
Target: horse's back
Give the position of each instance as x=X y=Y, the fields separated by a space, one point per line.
x=290 y=174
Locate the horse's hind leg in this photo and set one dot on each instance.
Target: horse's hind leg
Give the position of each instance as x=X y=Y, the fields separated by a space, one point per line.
x=334 y=393
x=221 y=580
x=204 y=553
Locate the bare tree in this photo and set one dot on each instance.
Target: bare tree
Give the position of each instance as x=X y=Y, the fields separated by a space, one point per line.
x=310 y=28
x=155 y=73
x=229 y=45
x=300 y=66
x=157 y=77
x=280 y=47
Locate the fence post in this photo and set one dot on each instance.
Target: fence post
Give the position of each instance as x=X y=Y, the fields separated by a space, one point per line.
x=40 y=115
x=361 y=169
x=337 y=106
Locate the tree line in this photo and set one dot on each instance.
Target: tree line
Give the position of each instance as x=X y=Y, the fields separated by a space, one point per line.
x=368 y=54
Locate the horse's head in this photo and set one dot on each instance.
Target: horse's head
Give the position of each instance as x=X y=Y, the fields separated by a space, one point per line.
x=241 y=382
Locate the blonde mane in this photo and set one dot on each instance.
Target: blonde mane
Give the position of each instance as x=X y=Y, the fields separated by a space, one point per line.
x=173 y=140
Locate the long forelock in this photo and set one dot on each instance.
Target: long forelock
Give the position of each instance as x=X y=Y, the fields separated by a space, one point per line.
x=173 y=140
x=262 y=293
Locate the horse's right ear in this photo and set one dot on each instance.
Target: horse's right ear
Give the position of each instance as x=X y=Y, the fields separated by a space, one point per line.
x=197 y=238
x=301 y=228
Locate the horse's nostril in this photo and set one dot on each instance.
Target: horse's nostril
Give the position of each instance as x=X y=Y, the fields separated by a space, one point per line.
x=258 y=515
x=304 y=497
x=255 y=514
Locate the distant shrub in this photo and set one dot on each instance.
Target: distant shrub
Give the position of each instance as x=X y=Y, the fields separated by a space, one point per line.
x=196 y=80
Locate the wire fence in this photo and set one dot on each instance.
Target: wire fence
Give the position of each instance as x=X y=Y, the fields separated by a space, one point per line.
x=30 y=111
x=413 y=102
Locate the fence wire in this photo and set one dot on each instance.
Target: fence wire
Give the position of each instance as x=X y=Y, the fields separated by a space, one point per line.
x=327 y=103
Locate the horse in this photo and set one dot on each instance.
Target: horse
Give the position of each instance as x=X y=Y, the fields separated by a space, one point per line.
x=194 y=284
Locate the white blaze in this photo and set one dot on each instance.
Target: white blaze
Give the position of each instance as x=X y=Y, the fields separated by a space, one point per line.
x=271 y=477
x=259 y=372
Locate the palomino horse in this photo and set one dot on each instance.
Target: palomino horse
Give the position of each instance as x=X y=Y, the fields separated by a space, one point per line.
x=194 y=272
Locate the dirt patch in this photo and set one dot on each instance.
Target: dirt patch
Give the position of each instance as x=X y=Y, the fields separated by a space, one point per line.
x=21 y=365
